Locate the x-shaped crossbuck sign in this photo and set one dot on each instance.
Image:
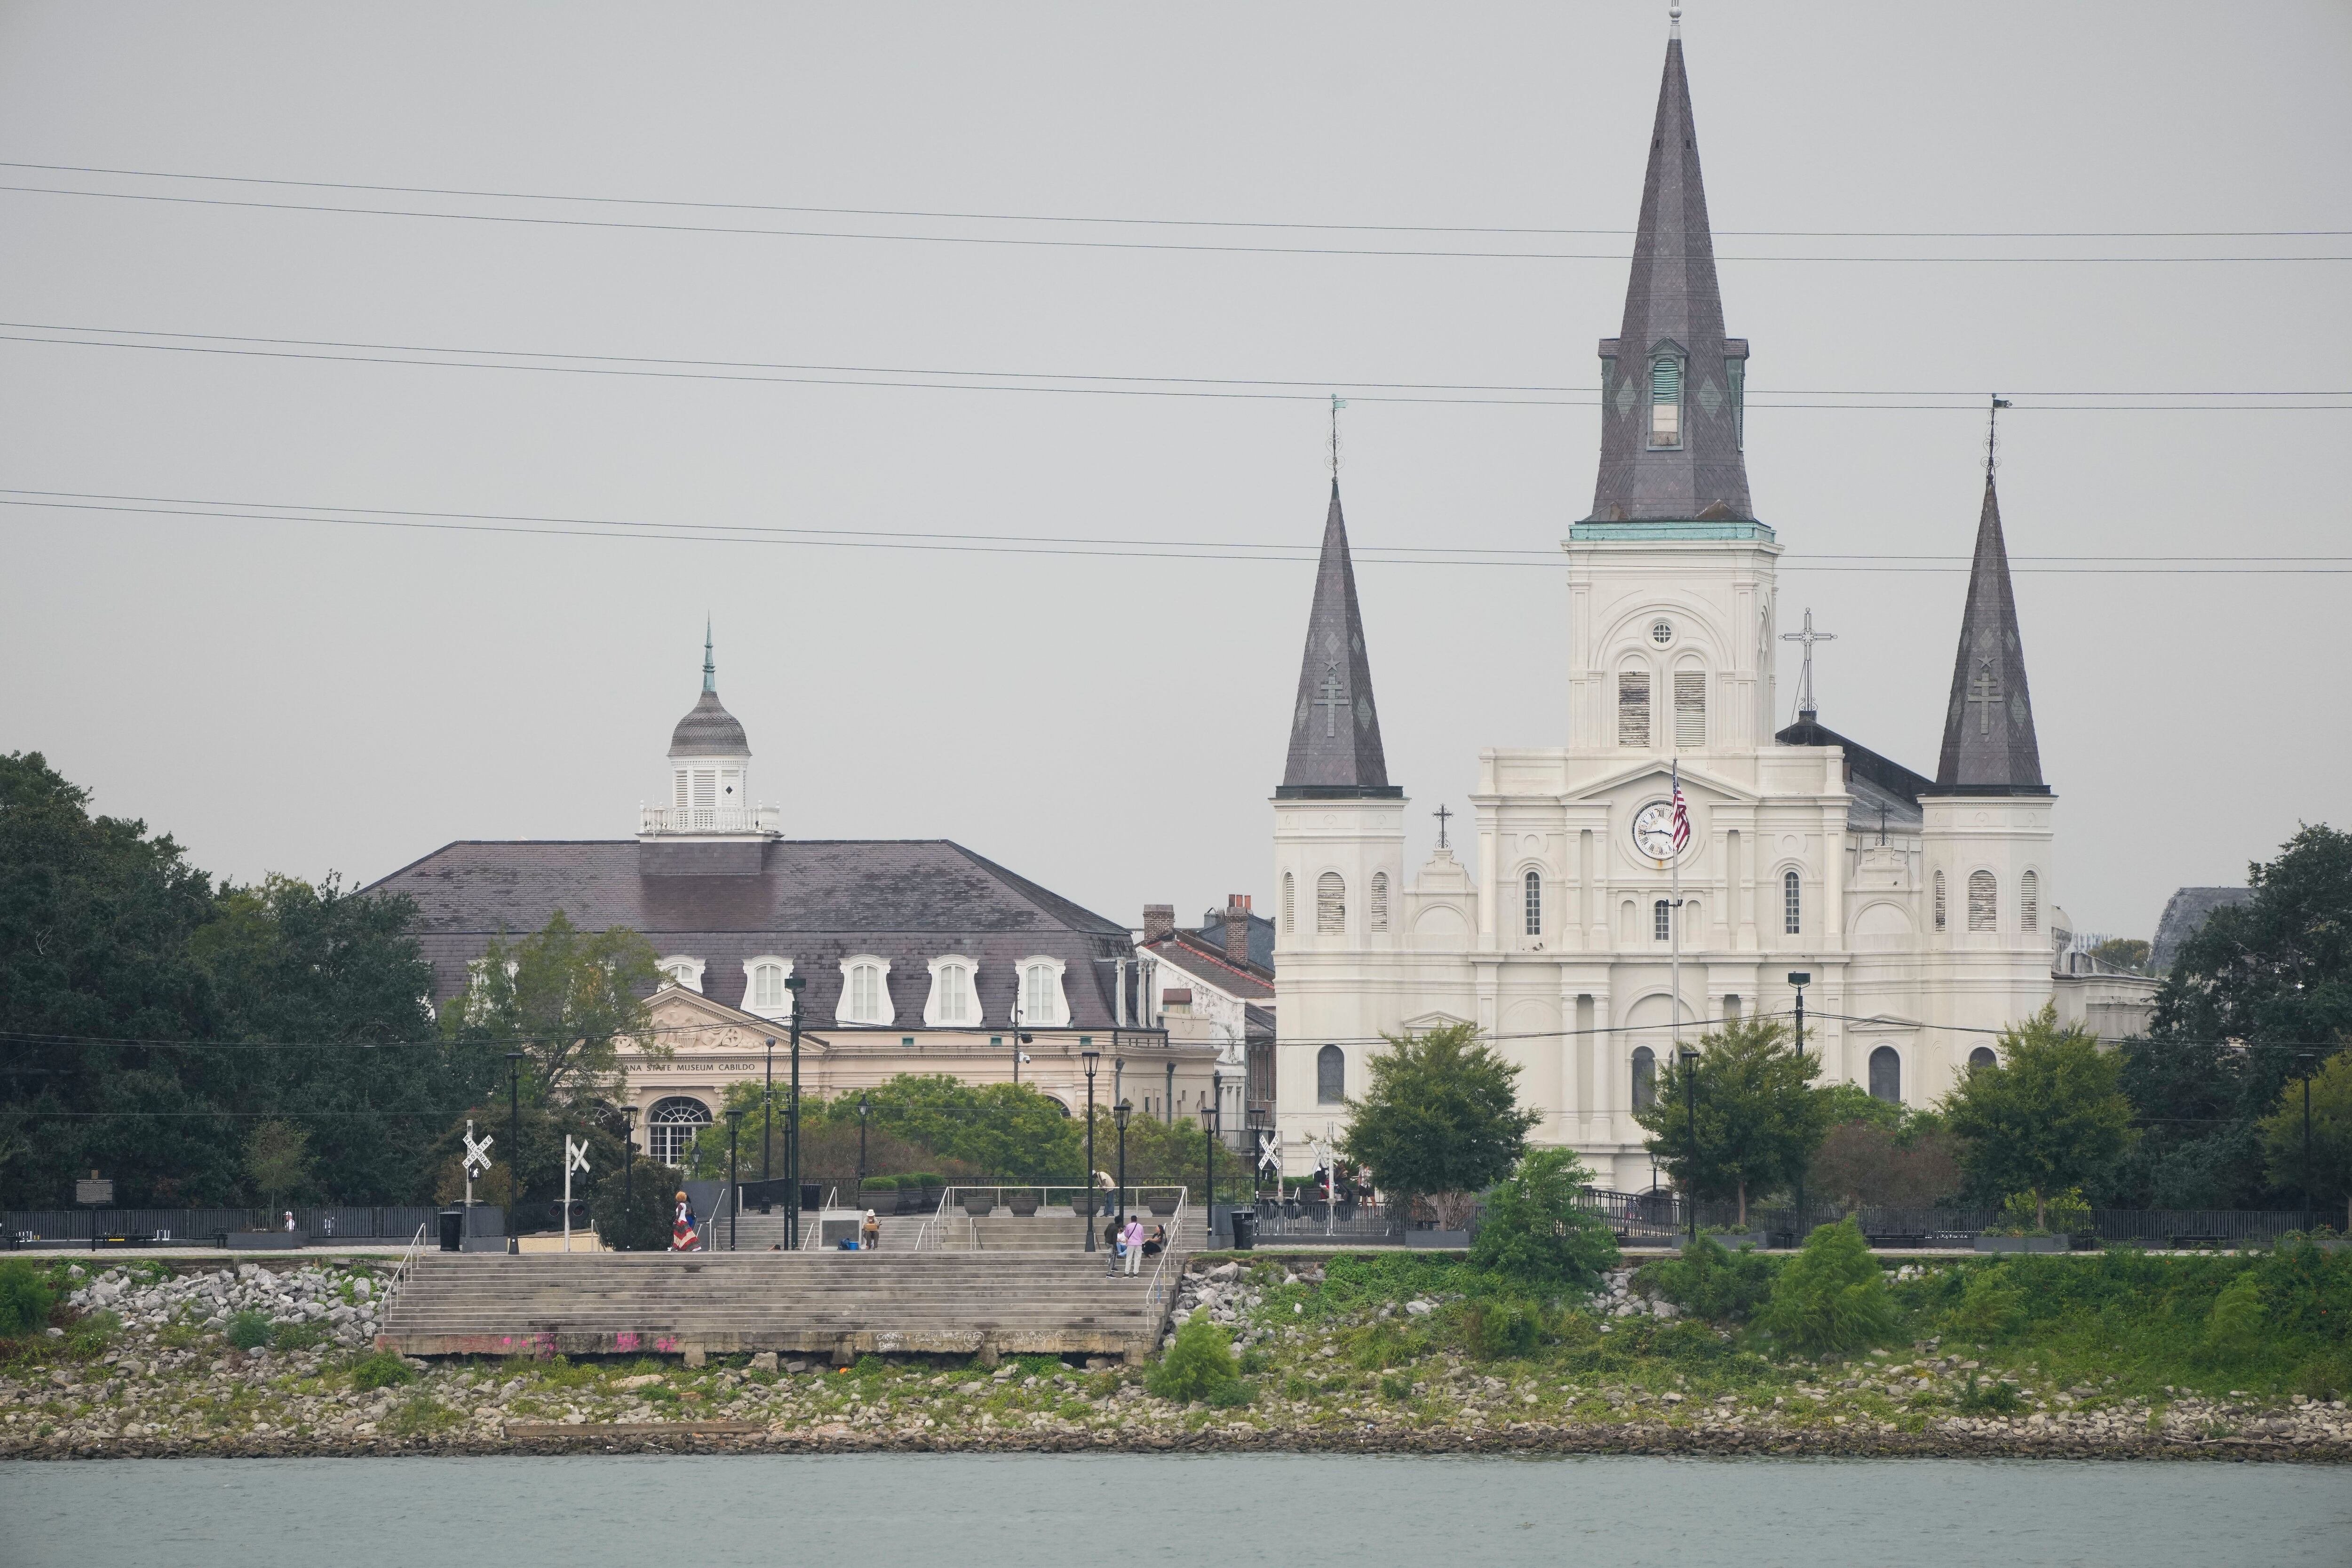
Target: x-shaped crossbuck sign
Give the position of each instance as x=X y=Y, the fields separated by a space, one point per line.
x=478 y=1151
x=576 y=1156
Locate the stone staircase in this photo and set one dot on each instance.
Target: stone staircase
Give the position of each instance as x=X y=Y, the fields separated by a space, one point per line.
x=837 y=1304
x=1048 y=1230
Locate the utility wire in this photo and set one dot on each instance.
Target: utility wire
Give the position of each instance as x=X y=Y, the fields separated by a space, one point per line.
x=1030 y=242
x=983 y=544
x=1158 y=222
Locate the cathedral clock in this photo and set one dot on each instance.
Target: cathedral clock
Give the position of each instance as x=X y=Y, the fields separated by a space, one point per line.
x=1654 y=830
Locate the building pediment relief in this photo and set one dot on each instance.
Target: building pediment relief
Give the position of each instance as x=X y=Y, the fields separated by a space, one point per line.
x=1649 y=776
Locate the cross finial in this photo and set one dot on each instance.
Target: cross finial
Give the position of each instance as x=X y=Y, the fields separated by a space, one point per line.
x=710 y=667
x=1441 y=814
x=1337 y=403
x=1992 y=434
x=1805 y=708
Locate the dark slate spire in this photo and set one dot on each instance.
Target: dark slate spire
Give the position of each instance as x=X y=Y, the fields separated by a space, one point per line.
x=1988 y=745
x=1674 y=309
x=1334 y=731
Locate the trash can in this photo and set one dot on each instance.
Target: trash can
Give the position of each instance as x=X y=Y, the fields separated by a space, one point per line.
x=453 y=1230
x=1244 y=1230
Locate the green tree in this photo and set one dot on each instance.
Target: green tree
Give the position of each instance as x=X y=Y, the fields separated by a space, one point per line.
x=2329 y=1175
x=568 y=1000
x=2123 y=952
x=2047 y=1116
x=1534 y=1230
x=1758 y=1121
x=277 y=1158
x=1440 y=1115
x=2257 y=984
x=1830 y=1297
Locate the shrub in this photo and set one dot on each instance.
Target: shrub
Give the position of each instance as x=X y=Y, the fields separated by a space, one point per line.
x=1383 y=1344
x=297 y=1336
x=1535 y=1232
x=91 y=1333
x=1396 y=1389
x=248 y=1330
x=26 y=1297
x=1226 y=1395
x=1831 y=1296
x=2325 y=1376
x=1990 y=1308
x=1994 y=1398
x=2233 y=1329
x=1504 y=1328
x=1197 y=1365
x=881 y=1184
x=1708 y=1282
x=382 y=1370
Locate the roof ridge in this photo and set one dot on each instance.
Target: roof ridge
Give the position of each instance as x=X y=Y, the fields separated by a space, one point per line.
x=1043 y=897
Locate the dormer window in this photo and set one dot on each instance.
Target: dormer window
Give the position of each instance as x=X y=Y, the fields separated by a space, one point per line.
x=764 y=990
x=1665 y=400
x=864 y=991
x=682 y=971
x=954 y=1001
x=1042 y=1004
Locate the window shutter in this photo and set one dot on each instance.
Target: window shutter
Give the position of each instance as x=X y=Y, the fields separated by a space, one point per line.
x=1984 y=911
x=1380 y=901
x=1633 y=708
x=1939 y=902
x=1289 y=901
x=2028 y=902
x=1665 y=400
x=1690 y=709
x=1330 y=904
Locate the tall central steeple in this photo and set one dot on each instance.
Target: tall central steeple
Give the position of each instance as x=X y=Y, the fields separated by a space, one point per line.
x=1672 y=387
x=1990 y=746
x=1334 y=731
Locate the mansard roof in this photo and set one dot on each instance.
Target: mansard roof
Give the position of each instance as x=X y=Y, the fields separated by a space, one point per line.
x=1335 y=730
x=1673 y=305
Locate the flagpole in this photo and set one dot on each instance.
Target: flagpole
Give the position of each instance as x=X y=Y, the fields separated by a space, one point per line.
x=1675 y=916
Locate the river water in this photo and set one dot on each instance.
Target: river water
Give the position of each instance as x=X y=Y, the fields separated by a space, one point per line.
x=1046 y=1510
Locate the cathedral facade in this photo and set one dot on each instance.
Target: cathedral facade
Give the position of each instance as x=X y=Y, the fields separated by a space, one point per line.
x=1574 y=925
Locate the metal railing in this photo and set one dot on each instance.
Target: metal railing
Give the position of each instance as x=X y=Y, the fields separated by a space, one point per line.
x=659 y=819
x=1155 y=1293
x=401 y=1272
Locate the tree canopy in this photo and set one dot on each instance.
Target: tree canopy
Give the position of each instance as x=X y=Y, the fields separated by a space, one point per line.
x=1534 y=1230
x=1749 y=1097
x=2045 y=1118
x=567 y=999
x=1440 y=1115
x=2326 y=1171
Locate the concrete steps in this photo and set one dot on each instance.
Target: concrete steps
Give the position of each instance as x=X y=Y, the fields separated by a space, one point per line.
x=838 y=1303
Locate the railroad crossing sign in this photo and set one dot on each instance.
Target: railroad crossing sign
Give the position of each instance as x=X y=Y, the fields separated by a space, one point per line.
x=1269 y=1155
x=575 y=1158
x=476 y=1159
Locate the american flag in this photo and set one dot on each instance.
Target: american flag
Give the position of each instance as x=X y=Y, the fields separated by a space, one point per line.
x=1682 y=816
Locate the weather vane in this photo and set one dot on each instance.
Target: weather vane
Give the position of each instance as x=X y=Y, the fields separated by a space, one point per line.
x=1992 y=434
x=1337 y=403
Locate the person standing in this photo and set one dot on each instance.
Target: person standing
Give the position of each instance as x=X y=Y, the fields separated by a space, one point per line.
x=1112 y=1247
x=1131 y=1238
x=683 y=1238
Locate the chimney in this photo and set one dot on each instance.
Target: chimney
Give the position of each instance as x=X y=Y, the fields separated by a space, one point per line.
x=1159 y=920
x=1237 y=927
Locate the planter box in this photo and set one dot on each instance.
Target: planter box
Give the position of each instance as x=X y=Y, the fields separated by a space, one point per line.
x=2023 y=1243
x=979 y=1205
x=264 y=1240
x=1160 y=1205
x=1024 y=1204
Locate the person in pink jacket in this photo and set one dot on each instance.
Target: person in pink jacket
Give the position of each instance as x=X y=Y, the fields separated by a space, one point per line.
x=1133 y=1236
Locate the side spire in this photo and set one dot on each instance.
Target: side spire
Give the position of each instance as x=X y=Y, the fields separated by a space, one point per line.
x=1335 y=730
x=1672 y=387
x=1989 y=741
x=710 y=667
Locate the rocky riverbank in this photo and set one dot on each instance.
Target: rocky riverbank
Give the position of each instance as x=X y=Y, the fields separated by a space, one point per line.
x=144 y=1368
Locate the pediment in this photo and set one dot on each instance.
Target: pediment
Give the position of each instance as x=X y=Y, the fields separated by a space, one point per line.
x=1695 y=781
x=1424 y=1023
x=685 y=1019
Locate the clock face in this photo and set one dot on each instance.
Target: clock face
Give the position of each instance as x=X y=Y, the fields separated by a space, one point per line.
x=1654 y=830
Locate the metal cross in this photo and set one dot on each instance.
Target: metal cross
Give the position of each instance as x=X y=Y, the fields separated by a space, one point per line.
x=1984 y=690
x=1441 y=814
x=1805 y=679
x=1331 y=702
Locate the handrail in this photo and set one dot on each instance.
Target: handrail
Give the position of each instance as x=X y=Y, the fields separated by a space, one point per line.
x=400 y=1272
x=934 y=1231
x=707 y=1233
x=1153 y=1295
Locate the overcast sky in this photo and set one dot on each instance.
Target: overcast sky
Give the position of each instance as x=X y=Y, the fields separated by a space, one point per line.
x=303 y=695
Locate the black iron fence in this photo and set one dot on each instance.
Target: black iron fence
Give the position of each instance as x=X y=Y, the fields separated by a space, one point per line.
x=200 y=1227
x=1664 y=1219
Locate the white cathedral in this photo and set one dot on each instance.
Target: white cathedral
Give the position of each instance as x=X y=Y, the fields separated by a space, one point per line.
x=1921 y=910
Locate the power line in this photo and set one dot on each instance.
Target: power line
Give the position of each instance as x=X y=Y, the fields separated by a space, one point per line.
x=1163 y=222
x=331 y=352
x=1031 y=242
x=1016 y=544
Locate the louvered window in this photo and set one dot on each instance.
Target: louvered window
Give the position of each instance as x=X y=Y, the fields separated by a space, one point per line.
x=706 y=789
x=1690 y=709
x=678 y=795
x=1941 y=915
x=1633 y=708
x=1289 y=901
x=2028 y=902
x=1983 y=905
x=1380 y=901
x=1330 y=904
x=1665 y=400
x=1645 y=1078
x=1662 y=920
x=1792 y=904
x=1533 y=881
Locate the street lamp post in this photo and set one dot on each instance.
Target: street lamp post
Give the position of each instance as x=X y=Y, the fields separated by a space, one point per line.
x=514 y=1148
x=864 y=1109
x=792 y=984
x=1799 y=978
x=1690 y=1105
x=1119 y=1113
x=629 y=1165
x=734 y=1195
x=1209 y=1155
x=768 y=1115
x=1090 y=1057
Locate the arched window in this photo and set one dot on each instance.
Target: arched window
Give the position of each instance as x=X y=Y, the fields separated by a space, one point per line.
x=1633 y=708
x=1330 y=1075
x=1984 y=906
x=764 y=990
x=1887 y=1075
x=954 y=1000
x=1940 y=915
x=1289 y=901
x=682 y=971
x=1533 y=881
x=1330 y=904
x=1661 y=921
x=864 y=992
x=1042 y=1002
x=671 y=1128
x=1380 y=901
x=1665 y=400
x=1982 y=1056
x=2028 y=902
x=1645 y=1078
x=1792 y=904
x=1690 y=710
